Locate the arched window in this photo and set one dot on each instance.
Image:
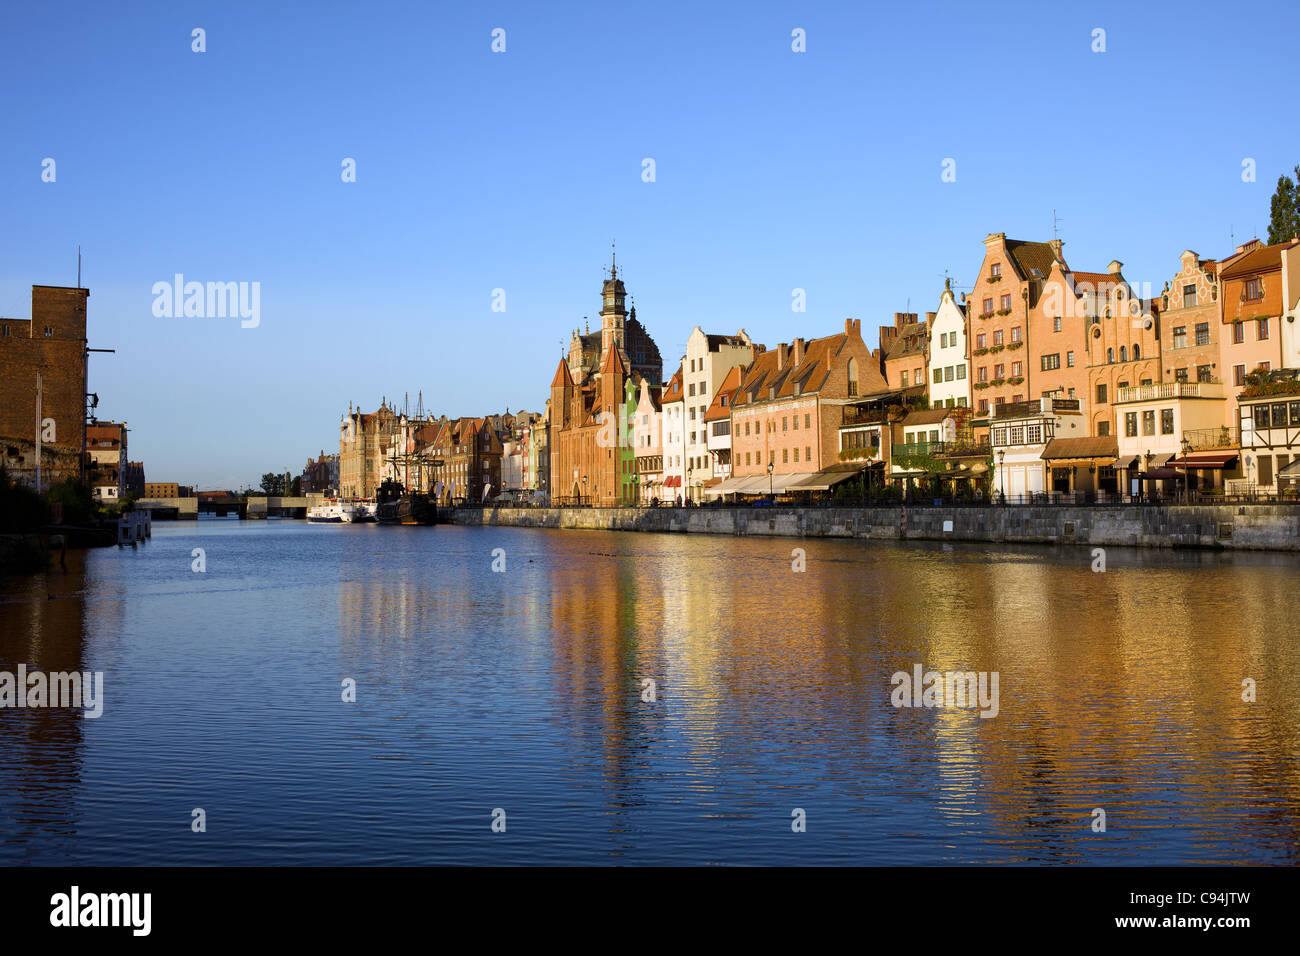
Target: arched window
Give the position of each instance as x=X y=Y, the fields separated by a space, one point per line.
x=1110 y=355
x=853 y=376
x=1137 y=352
x=1123 y=353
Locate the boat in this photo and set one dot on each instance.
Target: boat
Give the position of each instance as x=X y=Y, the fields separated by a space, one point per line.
x=396 y=506
x=365 y=510
x=331 y=512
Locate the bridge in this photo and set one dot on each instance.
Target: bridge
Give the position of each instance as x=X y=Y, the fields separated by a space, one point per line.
x=254 y=506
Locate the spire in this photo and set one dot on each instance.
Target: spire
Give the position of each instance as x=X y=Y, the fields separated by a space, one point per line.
x=613 y=267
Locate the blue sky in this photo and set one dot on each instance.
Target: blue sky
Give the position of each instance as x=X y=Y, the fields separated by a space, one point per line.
x=477 y=170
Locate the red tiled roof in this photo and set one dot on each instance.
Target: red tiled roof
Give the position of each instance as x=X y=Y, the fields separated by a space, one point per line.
x=562 y=377
x=1262 y=259
x=718 y=409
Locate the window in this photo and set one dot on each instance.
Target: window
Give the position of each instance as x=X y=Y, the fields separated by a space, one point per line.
x=999 y=371
x=1253 y=289
x=1137 y=352
x=996 y=270
x=997 y=337
x=1262 y=332
x=1130 y=424
x=938 y=375
x=980 y=340
x=807 y=452
x=1103 y=429
x=983 y=374
x=984 y=406
x=961 y=372
x=1180 y=336
x=1016 y=435
x=1015 y=334
x=988 y=306
x=1006 y=301
x=902 y=379
x=1101 y=393
x=948 y=373
x=1122 y=385
x=4 y=331
x=795 y=422
x=746 y=428
x=1180 y=375
x=1189 y=296
x=1166 y=421
x=785 y=424
x=1015 y=369
x=785 y=456
x=1034 y=434
x=999 y=434
x=1110 y=355
x=918 y=378
x=1239 y=375
x=1261 y=416
x=1238 y=333
x=1149 y=421
x=1203 y=373
x=1017 y=397
x=807 y=420
x=49 y=331
x=1123 y=353
x=1202 y=333
x=690 y=389
x=796 y=456
x=1052 y=361
x=1056 y=324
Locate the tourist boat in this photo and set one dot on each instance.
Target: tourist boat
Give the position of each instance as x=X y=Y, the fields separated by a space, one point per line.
x=332 y=512
x=365 y=510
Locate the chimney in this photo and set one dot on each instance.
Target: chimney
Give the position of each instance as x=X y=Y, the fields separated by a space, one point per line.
x=796 y=352
x=1115 y=267
x=781 y=352
x=929 y=318
x=1056 y=247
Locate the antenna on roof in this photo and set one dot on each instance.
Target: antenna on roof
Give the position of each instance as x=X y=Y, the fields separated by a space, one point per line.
x=78 y=265
x=1055 y=223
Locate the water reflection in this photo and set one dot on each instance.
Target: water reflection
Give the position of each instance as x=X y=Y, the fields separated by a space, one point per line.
x=526 y=688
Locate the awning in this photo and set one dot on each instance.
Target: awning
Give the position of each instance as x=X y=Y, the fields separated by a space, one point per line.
x=673 y=481
x=828 y=479
x=1098 y=449
x=709 y=483
x=1290 y=471
x=1161 y=474
x=1221 y=460
x=783 y=483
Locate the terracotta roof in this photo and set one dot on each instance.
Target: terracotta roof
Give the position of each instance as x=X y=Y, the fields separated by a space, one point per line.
x=613 y=364
x=1097 y=446
x=673 y=393
x=727 y=390
x=1095 y=279
x=1263 y=259
x=810 y=375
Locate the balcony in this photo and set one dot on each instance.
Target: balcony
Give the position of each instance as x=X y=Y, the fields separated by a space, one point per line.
x=1150 y=393
x=1206 y=439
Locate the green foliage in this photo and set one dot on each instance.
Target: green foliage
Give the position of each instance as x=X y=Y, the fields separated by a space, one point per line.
x=77 y=500
x=21 y=508
x=1284 y=210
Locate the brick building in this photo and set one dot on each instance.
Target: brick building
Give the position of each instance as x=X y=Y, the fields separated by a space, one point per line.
x=791 y=404
x=364 y=444
x=1251 y=321
x=52 y=343
x=1123 y=344
x=904 y=350
x=1190 y=326
x=591 y=453
x=106 y=460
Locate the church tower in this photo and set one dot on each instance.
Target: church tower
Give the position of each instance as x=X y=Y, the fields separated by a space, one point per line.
x=613 y=316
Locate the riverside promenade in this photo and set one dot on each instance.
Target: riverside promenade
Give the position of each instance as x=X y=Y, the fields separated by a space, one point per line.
x=1231 y=527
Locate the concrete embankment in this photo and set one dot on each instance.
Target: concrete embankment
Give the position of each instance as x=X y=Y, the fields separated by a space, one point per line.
x=1219 y=527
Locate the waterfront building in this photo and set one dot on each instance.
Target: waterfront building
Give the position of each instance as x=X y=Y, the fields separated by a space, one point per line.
x=1252 y=337
x=924 y=434
x=464 y=460
x=590 y=457
x=787 y=414
x=106 y=460
x=52 y=343
x=673 y=440
x=1156 y=423
x=1007 y=289
x=708 y=359
x=1057 y=355
x=903 y=350
x=1269 y=424
x=1191 y=326
x=135 y=479
x=717 y=420
x=321 y=475
x=1290 y=257
x=647 y=442
x=1021 y=433
x=948 y=353
x=364 y=446
x=162 y=489
x=512 y=465
x=1123 y=343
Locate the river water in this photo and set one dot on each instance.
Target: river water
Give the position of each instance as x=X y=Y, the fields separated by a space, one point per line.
x=525 y=691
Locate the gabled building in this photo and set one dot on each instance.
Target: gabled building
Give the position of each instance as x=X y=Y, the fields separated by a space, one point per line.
x=647 y=442
x=1191 y=323
x=717 y=421
x=1007 y=289
x=708 y=359
x=1251 y=281
x=948 y=353
x=106 y=460
x=790 y=406
x=1123 y=343
x=591 y=457
x=904 y=350
x=672 y=421
x=365 y=441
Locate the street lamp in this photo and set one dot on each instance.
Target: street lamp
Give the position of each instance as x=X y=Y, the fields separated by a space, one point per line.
x=1002 y=474
x=690 y=470
x=1187 y=470
x=770 y=492
x=584 y=489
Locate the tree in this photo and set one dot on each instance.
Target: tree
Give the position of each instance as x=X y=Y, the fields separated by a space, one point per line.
x=1284 y=211
x=272 y=484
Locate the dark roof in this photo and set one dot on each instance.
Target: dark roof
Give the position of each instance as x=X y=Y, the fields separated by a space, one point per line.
x=932 y=416
x=1028 y=256
x=1261 y=259
x=1017 y=409
x=911 y=340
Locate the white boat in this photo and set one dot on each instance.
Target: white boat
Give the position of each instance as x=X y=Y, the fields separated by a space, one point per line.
x=365 y=510
x=332 y=512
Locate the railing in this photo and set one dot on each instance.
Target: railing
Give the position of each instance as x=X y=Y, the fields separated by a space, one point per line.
x=1224 y=436
x=853 y=415
x=1146 y=393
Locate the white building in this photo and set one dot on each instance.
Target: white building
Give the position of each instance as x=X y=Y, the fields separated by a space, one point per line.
x=1021 y=432
x=673 y=422
x=707 y=361
x=949 y=369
